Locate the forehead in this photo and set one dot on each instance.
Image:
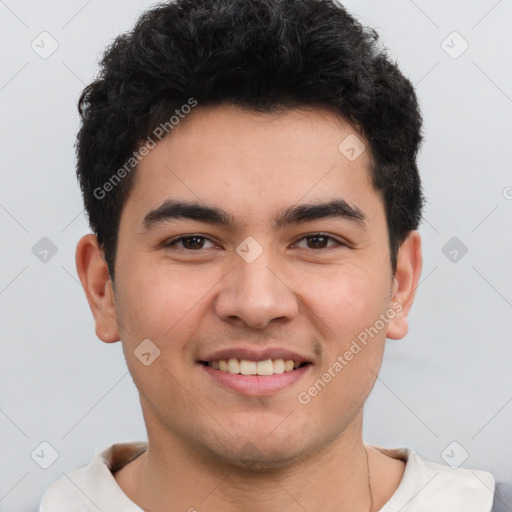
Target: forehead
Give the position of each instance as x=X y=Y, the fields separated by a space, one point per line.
x=254 y=161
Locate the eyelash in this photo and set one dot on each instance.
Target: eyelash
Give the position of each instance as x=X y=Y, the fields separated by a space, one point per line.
x=174 y=241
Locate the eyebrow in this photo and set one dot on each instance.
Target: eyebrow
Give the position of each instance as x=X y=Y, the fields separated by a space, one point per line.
x=296 y=214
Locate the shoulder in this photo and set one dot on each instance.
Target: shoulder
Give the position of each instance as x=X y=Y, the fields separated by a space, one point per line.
x=65 y=492
x=428 y=486
x=93 y=487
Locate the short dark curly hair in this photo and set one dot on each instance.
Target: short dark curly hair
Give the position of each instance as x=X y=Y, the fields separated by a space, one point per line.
x=263 y=55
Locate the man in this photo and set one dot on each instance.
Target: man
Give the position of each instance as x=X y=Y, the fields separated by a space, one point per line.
x=249 y=172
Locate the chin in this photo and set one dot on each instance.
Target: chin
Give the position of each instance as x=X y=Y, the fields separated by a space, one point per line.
x=251 y=458
x=261 y=451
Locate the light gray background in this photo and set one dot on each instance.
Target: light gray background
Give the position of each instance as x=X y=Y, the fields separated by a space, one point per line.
x=448 y=380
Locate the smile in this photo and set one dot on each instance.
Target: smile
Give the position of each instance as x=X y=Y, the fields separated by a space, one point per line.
x=248 y=367
x=255 y=378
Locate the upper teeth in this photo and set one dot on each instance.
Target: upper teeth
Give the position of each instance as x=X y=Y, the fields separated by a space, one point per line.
x=246 y=367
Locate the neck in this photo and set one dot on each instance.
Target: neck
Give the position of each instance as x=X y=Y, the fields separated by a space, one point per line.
x=172 y=475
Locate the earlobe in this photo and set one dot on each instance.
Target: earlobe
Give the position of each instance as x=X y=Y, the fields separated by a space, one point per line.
x=408 y=271
x=93 y=273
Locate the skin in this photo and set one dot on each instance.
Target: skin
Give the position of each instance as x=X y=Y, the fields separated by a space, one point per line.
x=304 y=296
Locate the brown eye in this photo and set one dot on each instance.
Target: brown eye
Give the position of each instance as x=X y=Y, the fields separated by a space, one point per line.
x=191 y=242
x=319 y=241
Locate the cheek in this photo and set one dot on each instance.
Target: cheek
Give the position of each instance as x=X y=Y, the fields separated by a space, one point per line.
x=347 y=299
x=159 y=303
x=349 y=304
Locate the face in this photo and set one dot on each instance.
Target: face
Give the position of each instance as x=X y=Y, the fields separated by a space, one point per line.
x=225 y=254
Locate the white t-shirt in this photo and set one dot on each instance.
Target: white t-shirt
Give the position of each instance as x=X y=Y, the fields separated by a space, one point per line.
x=425 y=486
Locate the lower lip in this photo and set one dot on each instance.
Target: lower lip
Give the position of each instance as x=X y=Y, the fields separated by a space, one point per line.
x=257 y=385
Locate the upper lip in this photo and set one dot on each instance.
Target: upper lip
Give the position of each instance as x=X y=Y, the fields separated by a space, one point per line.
x=251 y=354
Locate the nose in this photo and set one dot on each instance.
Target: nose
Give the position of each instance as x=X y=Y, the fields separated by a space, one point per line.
x=256 y=293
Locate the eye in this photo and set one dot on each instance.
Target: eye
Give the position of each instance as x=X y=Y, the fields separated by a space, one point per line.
x=320 y=241
x=188 y=242
x=194 y=242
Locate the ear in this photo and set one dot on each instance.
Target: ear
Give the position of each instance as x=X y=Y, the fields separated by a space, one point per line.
x=93 y=273
x=408 y=271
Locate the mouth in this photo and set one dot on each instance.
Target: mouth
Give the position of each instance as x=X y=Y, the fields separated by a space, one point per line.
x=247 y=367
x=255 y=378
